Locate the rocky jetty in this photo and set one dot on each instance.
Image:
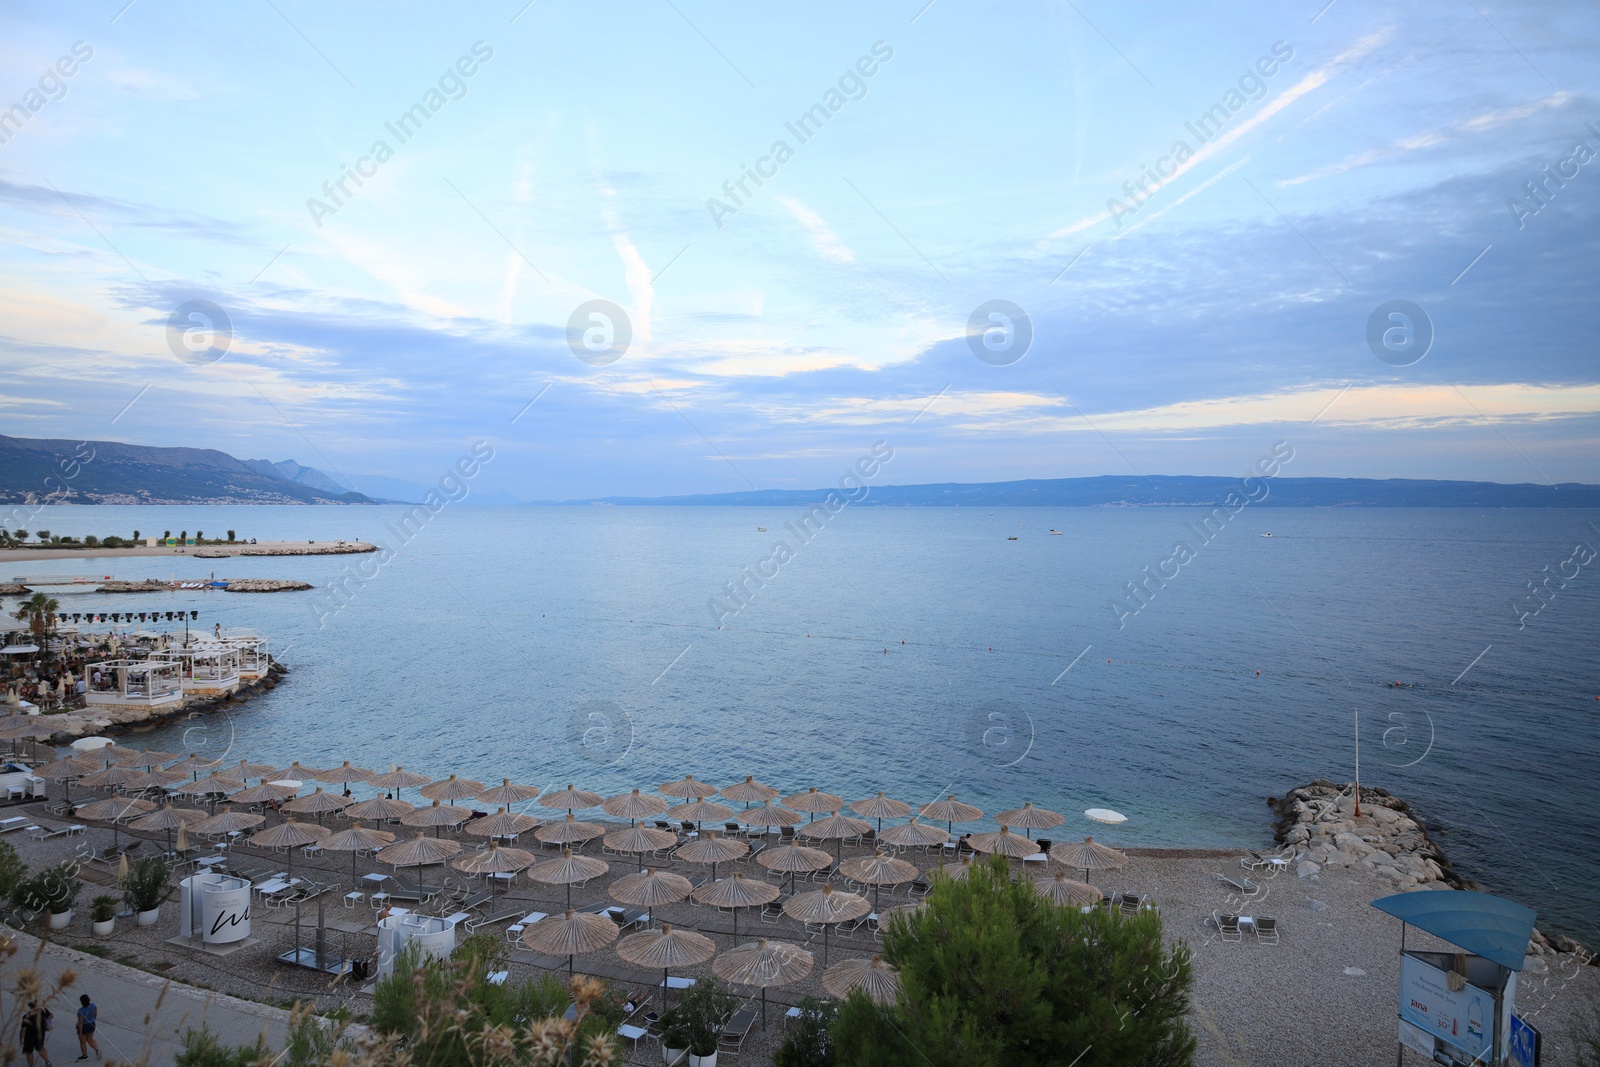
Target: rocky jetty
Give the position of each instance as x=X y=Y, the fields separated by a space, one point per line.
x=148 y=585
x=266 y=585
x=13 y=589
x=285 y=548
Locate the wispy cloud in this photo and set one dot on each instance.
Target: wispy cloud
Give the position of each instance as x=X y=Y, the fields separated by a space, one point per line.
x=823 y=238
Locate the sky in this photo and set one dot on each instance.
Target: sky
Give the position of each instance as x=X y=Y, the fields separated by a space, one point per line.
x=1197 y=223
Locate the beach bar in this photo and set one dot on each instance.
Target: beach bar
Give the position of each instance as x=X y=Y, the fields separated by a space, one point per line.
x=252 y=649
x=150 y=683
x=208 y=670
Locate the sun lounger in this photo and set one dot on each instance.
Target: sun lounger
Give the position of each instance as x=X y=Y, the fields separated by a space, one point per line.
x=736 y=1029
x=16 y=822
x=773 y=912
x=514 y=931
x=920 y=888
x=493 y=920
x=1227 y=926
x=1267 y=929
x=1242 y=886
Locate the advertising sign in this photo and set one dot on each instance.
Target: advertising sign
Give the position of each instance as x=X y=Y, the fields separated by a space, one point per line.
x=225 y=914
x=1525 y=1051
x=1417 y=1039
x=1463 y=1018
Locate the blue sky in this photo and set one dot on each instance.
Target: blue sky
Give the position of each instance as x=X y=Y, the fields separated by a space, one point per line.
x=1222 y=307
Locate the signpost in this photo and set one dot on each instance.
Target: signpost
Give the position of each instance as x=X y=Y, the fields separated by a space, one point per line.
x=1525 y=1043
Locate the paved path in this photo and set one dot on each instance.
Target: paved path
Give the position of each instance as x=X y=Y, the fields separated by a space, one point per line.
x=138 y=1011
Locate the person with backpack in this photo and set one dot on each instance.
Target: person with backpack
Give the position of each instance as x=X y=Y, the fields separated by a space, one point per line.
x=87 y=1014
x=36 y=1023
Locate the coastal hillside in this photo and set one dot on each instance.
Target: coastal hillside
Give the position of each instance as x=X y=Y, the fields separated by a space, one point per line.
x=107 y=472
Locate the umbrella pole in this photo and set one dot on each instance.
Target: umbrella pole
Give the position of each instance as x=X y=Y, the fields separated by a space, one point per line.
x=763 y=1007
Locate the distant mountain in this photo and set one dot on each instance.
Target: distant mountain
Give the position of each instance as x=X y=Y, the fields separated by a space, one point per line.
x=1165 y=490
x=106 y=472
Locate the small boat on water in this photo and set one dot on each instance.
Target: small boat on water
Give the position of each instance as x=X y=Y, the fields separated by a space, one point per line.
x=761 y=529
x=1055 y=533
x=1011 y=539
x=1266 y=535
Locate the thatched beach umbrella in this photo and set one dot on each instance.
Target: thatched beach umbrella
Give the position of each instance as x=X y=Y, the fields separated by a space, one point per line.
x=66 y=771
x=437 y=815
x=212 y=785
x=571 y=798
x=735 y=893
x=666 y=948
x=501 y=824
x=317 y=803
x=1062 y=890
x=814 y=802
x=194 y=763
x=228 y=821
x=397 y=779
x=950 y=811
x=880 y=807
x=245 y=769
x=143 y=757
x=168 y=819
x=958 y=870
x=357 y=838
x=794 y=859
x=768 y=814
x=380 y=808
x=1003 y=843
x=1030 y=818
x=879 y=870
x=835 y=828
x=750 y=791
x=687 y=788
x=264 y=792
x=650 y=888
x=572 y=934
x=155 y=778
x=639 y=840
x=493 y=860
x=110 y=777
x=699 y=811
x=826 y=906
x=344 y=774
x=713 y=850
x=1088 y=855
x=763 y=964
x=295 y=772
x=634 y=805
x=508 y=794
x=290 y=835
x=452 y=789
x=419 y=851
x=879 y=981
x=14 y=727
x=569 y=831
x=114 y=809
x=569 y=870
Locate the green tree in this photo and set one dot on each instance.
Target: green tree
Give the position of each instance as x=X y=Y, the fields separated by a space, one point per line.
x=994 y=975
x=39 y=612
x=810 y=1044
x=12 y=870
x=43 y=535
x=230 y=535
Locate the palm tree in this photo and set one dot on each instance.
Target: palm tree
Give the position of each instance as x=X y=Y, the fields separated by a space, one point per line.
x=40 y=613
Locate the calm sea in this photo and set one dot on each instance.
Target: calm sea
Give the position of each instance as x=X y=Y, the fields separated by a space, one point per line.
x=923 y=652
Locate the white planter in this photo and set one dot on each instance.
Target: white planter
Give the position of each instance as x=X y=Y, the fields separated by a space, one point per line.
x=703 y=1061
x=60 y=919
x=148 y=918
x=103 y=929
x=670 y=1056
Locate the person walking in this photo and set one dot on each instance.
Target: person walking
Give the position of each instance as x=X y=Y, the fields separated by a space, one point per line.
x=88 y=1012
x=36 y=1022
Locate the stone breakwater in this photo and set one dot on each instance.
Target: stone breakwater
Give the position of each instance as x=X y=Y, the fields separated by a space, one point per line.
x=1318 y=827
x=318 y=548
x=13 y=589
x=266 y=585
x=103 y=721
x=148 y=585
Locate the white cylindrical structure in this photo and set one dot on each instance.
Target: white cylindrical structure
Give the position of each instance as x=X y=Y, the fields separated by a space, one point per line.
x=434 y=936
x=217 y=906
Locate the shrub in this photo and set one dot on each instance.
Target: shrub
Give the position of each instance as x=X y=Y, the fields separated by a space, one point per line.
x=52 y=889
x=12 y=870
x=705 y=1007
x=809 y=1044
x=103 y=909
x=148 y=883
x=202 y=1048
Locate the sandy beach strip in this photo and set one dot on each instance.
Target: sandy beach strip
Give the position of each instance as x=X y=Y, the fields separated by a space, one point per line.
x=238 y=548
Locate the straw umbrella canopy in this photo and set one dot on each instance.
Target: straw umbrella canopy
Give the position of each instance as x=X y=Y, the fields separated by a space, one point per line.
x=814 y=802
x=1003 y=843
x=398 y=779
x=155 y=778
x=763 y=964
x=569 y=831
x=194 y=764
x=501 y=824
x=793 y=859
x=687 y=788
x=212 y=785
x=648 y=888
x=699 y=811
x=228 y=821
x=568 y=871
x=958 y=870
x=380 y=808
x=508 y=794
x=1066 y=891
x=638 y=840
x=735 y=893
x=264 y=792
x=634 y=805
x=357 y=838
x=1030 y=818
x=713 y=850
x=768 y=814
x=835 y=828
x=437 y=815
x=914 y=834
x=575 y=933
x=344 y=774
x=143 y=757
x=452 y=788
x=880 y=807
x=826 y=906
x=750 y=791
x=571 y=798
x=1088 y=855
x=951 y=811
x=114 y=809
x=15 y=726
x=317 y=803
x=879 y=981
x=666 y=948
x=65 y=770
x=906 y=910
x=879 y=870
x=291 y=835
x=419 y=851
x=245 y=769
x=168 y=819
x=111 y=776
x=494 y=860
x=297 y=773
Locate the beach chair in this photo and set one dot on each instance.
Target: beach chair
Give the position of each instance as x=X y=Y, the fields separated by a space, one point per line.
x=921 y=887
x=662 y=824
x=755 y=848
x=735 y=1030
x=16 y=822
x=772 y=913
x=733 y=829
x=786 y=834
x=1253 y=862
x=1129 y=903
x=1267 y=930
x=1227 y=926
x=1243 y=886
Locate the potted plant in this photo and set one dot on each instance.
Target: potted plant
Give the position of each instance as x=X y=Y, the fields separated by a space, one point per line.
x=705 y=1006
x=674 y=1035
x=147 y=885
x=103 y=913
x=51 y=890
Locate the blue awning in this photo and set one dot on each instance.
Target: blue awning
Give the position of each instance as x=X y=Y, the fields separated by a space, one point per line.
x=1492 y=927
